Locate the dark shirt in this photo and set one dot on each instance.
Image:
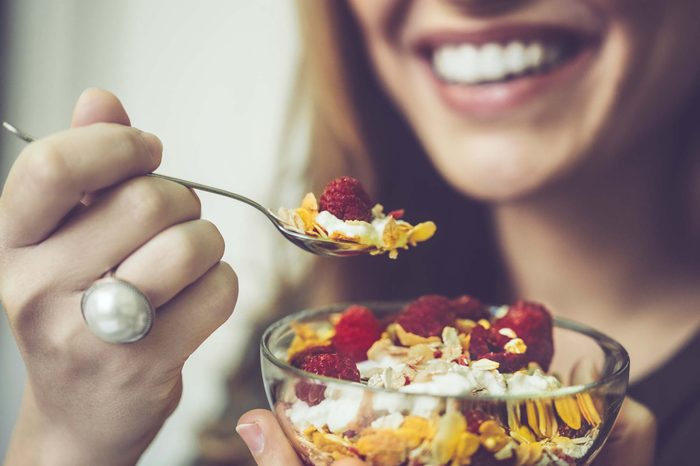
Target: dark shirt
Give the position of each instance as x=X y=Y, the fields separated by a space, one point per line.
x=673 y=394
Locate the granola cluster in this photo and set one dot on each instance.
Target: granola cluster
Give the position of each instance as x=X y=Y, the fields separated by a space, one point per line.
x=421 y=361
x=346 y=214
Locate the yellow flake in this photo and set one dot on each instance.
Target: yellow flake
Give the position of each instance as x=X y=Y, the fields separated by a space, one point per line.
x=420 y=353
x=414 y=430
x=484 y=323
x=309 y=202
x=515 y=346
x=421 y=232
x=464 y=340
x=465 y=325
x=588 y=409
x=528 y=454
x=333 y=444
x=382 y=447
x=493 y=436
x=410 y=339
x=467 y=445
x=308 y=218
x=569 y=412
x=450 y=429
x=306 y=336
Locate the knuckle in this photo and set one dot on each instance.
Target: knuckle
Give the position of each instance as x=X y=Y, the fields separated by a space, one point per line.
x=227 y=288
x=45 y=163
x=188 y=247
x=214 y=237
x=145 y=199
x=193 y=201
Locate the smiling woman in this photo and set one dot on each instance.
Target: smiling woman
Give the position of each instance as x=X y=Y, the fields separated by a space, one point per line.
x=554 y=143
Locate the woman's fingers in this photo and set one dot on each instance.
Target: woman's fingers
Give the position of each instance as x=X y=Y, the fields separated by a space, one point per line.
x=52 y=175
x=268 y=444
x=97 y=105
x=265 y=439
x=183 y=253
x=633 y=439
x=118 y=222
x=187 y=320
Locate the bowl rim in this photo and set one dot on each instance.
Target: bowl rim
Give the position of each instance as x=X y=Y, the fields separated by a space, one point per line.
x=613 y=352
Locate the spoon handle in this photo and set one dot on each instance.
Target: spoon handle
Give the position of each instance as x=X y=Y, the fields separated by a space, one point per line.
x=190 y=184
x=210 y=189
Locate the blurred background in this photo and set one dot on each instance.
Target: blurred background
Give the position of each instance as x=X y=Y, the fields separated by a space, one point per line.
x=212 y=79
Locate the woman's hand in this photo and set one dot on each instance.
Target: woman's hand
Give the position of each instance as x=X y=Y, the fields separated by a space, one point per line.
x=74 y=207
x=632 y=440
x=266 y=441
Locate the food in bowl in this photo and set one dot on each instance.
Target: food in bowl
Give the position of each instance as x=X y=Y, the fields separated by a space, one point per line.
x=437 y=381
x=345 y=213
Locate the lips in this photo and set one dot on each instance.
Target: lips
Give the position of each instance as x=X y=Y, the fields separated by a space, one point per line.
x=491 y=71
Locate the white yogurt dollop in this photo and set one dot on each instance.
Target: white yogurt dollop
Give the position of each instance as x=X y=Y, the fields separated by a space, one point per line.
x=367 y=233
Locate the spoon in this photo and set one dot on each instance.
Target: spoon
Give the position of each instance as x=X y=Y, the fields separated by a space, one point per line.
x=312 y=244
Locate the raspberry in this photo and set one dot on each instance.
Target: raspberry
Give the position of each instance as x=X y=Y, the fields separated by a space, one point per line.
x=356 y=332
x=427 y=315
x=298 y=359
x=346 y=199
x=312 y=393
x=566 y=431
x=488 y=344
x=474 y=419
x=533 y=323
x=466 y=307
x=333 y=365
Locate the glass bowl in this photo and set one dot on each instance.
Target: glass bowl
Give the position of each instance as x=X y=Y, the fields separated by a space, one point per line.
x=567 y=426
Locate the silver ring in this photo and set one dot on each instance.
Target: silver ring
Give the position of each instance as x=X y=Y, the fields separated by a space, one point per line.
x=116 y=311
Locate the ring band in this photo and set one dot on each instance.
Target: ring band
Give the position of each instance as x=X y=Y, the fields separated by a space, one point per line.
x=116 y=311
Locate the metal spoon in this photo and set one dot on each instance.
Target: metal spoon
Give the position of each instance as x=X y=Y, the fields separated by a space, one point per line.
x=315 y=245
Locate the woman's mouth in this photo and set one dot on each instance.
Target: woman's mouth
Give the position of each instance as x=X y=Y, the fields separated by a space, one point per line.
x=485 y=74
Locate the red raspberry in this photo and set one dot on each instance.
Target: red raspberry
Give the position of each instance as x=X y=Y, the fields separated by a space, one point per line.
x=346 y=199
x=475 y=418
x=356 y=332
x=427 y=315
x=297 y=359
x=333 y=365
x=312 y=393
x=533 y=323
x=466 y=307
x=488 y=344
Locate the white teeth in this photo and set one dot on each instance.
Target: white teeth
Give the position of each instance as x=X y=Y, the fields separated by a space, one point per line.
x=534 y=55
x=492 y=62
x=468 y=64
x=515 y=57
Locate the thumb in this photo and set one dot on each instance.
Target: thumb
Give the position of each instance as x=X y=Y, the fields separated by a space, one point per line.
x=99 y=106
x=633 y=438
x=265 y=439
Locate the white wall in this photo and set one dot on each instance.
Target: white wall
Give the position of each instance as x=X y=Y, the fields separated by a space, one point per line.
x=211 y=78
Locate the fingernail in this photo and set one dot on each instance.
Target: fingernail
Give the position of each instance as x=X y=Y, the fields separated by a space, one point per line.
x=252 y=436
x=154 y=144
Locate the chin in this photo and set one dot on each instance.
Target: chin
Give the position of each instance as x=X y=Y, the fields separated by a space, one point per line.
x=499 y=169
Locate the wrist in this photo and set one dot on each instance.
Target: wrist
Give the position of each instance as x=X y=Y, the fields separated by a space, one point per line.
x=38 y=442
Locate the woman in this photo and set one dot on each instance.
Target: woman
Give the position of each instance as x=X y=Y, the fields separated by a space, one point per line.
x=578 y=153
